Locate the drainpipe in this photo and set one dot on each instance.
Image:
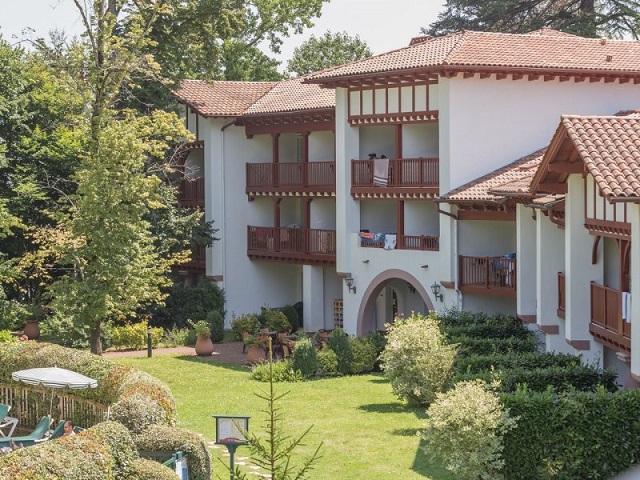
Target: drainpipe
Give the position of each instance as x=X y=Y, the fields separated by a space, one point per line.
x=224 y=196
x=455 y=256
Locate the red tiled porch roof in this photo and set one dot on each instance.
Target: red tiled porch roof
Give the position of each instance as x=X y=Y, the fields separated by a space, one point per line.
x=221 y=98
x=292 y=96
x=543 y=51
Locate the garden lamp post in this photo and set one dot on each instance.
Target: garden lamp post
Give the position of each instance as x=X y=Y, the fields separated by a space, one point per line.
x=231 y=431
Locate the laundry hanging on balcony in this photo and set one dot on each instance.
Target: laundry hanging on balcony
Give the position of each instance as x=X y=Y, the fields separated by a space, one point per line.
x=380 y=171
x=389 y=241
x=626 y=306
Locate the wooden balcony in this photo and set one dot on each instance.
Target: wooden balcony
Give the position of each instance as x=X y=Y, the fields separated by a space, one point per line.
x=405 y=242
x=191 y=193
x=406 y=178
x=487 y=275
x=306 y=246
x=562 y=295
x=291 y=179
x=607 y=324
x=197 y=261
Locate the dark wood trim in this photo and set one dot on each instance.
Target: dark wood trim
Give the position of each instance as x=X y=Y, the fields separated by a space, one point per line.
x=215 y=278
x=527 y=319
x=447 y=284
x=549 y=329
x=394 y=118
x=580 y=344
x=398 y=135
x=491 y=292
x=594 y=250
x=566 y=167
x=608 y=228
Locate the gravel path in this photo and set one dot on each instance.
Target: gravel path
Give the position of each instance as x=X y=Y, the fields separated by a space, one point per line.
x=223 y=352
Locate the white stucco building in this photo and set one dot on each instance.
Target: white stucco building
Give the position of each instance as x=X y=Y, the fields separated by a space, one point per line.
x=358 y=189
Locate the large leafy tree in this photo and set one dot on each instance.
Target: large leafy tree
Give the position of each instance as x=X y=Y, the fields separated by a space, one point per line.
x=589 y=18
x=329 y=50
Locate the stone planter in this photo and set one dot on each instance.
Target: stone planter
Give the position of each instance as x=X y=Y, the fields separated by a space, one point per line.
x=32 y=330
x=204 y=347
x=255 y=354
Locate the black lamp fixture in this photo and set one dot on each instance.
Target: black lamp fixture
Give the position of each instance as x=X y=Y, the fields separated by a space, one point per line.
x=412 y=289
x=349 y=281
x=435 y=288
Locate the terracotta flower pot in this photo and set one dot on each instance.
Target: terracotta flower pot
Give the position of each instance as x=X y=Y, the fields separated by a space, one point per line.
x=255 y=354
x=32 y=330
x=204 y=346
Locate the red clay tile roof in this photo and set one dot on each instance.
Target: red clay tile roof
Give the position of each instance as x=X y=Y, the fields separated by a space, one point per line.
x=610 y=150
x=515 y=178
x=293 y=96
x=221 y=99
x=543 y=51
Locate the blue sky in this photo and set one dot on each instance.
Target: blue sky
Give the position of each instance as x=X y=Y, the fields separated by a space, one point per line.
x=383 y=24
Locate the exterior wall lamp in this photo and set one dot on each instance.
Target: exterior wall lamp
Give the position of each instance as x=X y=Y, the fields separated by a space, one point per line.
x=349 y=281
x=435 y=288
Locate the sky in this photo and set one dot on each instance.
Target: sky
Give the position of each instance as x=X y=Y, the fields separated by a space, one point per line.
x=384 y=24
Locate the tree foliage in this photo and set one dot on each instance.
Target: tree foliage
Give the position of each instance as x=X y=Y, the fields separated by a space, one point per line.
x=588 y=18
x=330 y=50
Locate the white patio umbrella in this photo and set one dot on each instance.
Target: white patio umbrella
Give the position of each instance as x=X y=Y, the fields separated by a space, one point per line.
x=53 y=377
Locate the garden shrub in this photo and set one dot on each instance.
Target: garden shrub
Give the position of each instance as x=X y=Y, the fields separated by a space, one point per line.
x=365 y=355
x=484 y=330
x=184 y=303
x=6 y=336
x=340 y=343
x=572 y=435
x=570 y=377
x=305 y=357
x=416 y=359
x=68 y=334
x=292 y=316
x=465 y=429
x=379 y=340
x=144 y=469
x=327 y=362
x=216 y=326
x=160 y=437
x=498 y=346
x=175 y=337
x=275 y=320
x=482 y=363
x=282 y=371
x=244 y=323
x=103 y=452
x=137 y=412
x=138 y=382
x=134 y=336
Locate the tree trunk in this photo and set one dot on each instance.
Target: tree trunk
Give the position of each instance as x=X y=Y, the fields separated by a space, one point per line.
x=95 y=342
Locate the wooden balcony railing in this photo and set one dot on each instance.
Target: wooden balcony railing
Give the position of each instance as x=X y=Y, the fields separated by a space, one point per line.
x=607 y=323
x=191 y=193
x=197 y=260
x=487 y=275
x=405 y=175
x=291 y=178
x=298 y=245
x=405 y=242
x=562 y=295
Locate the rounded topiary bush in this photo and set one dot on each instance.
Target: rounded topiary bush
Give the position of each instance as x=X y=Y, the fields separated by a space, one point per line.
x=137 y=412
x=340 y=343
x=328 y=362
x=416 y=359
x=143 y=469
x=141 y=383
x=305 y=357
x=465 y=430
x=365 y=355
x=160 y=437
x=103 y=452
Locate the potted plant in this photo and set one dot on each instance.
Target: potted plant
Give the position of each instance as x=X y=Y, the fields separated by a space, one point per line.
x=204 y=345
x=256 y=347
x=32 y=329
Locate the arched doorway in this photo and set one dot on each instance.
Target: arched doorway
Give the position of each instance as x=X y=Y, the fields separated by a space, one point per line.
x=389 y=293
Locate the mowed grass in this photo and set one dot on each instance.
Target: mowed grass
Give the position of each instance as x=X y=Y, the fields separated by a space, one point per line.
x=367 y=433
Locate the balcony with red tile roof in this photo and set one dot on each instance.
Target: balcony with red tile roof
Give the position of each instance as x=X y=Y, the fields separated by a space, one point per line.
x=404 y=178
x=291 y=179
x=307 y=246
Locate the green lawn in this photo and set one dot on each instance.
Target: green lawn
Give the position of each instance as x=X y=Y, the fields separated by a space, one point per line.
x=367 y=432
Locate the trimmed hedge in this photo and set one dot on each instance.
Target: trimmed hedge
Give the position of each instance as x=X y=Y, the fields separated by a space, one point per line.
x=576 y=377
x=481 y=363
x=143 y=469
x=488 y=346
x=484 y=330
x=160 y=437
x=454 y=316
x=105 y=451
x=572 y=436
